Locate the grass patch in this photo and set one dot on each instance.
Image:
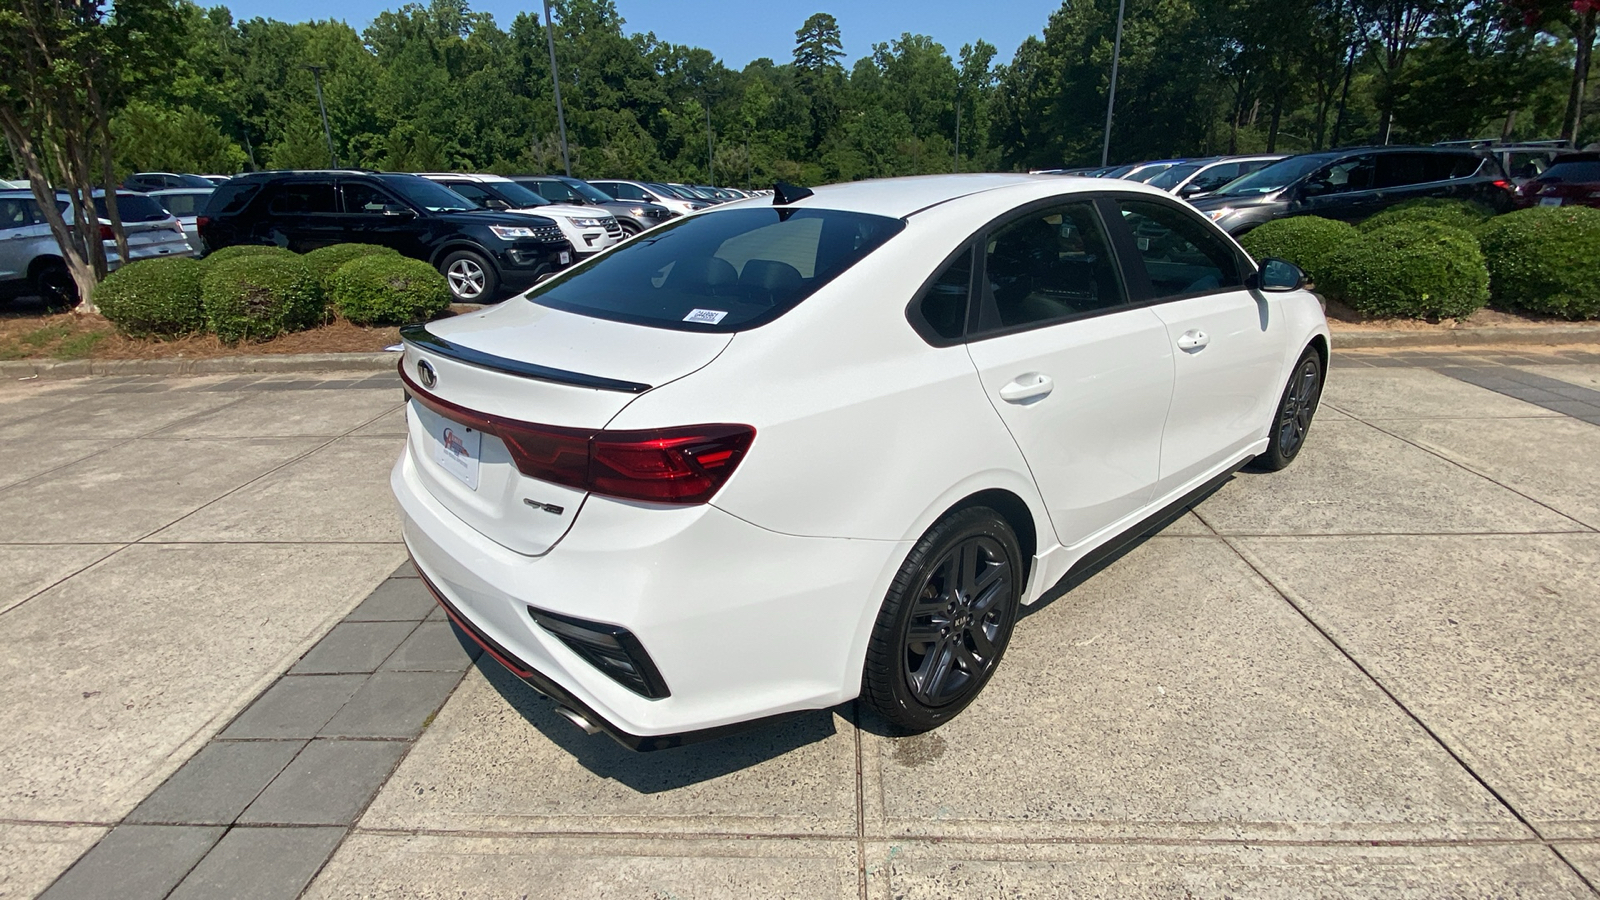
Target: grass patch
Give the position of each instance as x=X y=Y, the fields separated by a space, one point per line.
x=78 y=346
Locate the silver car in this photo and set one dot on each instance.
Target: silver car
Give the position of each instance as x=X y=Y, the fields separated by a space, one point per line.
x=31 y=262
x=186 y=204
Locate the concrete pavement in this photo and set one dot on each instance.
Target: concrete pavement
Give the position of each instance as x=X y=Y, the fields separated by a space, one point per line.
x=1371 y=675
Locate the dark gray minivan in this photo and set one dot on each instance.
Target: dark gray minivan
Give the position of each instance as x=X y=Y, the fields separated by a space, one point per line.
x=1352 y=185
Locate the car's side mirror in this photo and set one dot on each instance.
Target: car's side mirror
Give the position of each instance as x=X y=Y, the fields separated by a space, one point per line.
x=1189 y=190
x=1315 y=189
x=650 y=198
x=496 y=204
x=1277 y=276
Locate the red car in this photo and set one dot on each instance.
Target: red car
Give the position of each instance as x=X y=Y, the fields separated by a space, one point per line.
x=1572 y=180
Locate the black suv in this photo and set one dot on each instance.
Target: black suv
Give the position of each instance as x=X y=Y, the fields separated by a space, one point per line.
x=480 y=252
x=1354 y=184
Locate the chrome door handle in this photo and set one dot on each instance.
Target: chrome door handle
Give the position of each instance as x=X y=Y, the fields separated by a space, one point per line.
x=1194 y=340
x=1032 y=386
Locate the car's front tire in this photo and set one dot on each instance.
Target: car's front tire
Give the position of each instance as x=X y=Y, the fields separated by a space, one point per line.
x=471 y=277
x=55 y=287
x=1292 y=420
x=946 y=621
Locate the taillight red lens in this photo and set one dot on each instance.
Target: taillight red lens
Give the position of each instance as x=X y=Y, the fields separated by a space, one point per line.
x=201 y=221
x=670 y=465
x=685 y=465
x=1503 y=185
x=106 y=234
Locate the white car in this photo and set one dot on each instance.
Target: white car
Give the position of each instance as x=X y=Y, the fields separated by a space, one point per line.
x=789 y=452
x=186 y=204
x=31 y=260
x=587 y=229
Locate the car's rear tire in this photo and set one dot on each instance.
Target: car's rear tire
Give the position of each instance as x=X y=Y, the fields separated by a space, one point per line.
x=1291 y=422
x=471 y=277
x=946 y=621
x=55 y=287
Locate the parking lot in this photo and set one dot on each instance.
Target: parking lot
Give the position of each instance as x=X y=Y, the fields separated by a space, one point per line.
x=1371 y=675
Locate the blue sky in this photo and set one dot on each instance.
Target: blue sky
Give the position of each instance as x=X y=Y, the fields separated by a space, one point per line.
x=738 y=31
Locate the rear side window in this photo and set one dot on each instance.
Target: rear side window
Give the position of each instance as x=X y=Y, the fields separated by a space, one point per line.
x=1180 y=255
x=14 y=213
x=132 y=208
x=1049 y=266
x=299 y=198
x=722 y=272
x=943 y=304
x=183 y=204
x=232 y=197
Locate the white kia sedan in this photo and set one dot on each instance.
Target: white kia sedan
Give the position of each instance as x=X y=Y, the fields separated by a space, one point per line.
x=786 y=452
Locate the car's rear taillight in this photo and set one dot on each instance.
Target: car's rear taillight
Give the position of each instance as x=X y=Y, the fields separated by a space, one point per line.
x=683 y=465
x=201 y=222
x=106 y=234
x=1503 y=185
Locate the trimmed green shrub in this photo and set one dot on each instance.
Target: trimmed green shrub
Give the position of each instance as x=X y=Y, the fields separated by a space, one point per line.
x=1414 y=270
x=1306 y=241
x=239 y=250
x=256 y=297
x=154 y=297
x=388 y=290
x=327 y=260
x=1455 y=213
x=1545 y=260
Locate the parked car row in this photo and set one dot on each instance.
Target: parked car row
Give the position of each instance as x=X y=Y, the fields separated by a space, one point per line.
x=31 y=262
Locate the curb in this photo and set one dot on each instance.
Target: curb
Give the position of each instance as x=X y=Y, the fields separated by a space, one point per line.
x=363 y=363
x=370 y=363
x=1547 y=335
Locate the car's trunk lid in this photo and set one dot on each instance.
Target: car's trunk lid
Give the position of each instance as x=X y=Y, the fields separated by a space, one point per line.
x=527 y=363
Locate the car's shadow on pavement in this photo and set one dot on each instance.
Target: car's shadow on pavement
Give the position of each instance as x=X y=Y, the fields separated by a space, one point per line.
x=661 y=770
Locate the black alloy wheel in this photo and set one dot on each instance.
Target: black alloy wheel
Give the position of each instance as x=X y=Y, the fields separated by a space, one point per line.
x=55 y=287
x=1293 y=420
x=946 y=621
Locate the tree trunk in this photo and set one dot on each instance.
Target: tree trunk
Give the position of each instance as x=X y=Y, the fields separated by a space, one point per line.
x=1510 y=126
x=1572 y=125
x=1344 y=97
x=72 y=251
x=102 y=124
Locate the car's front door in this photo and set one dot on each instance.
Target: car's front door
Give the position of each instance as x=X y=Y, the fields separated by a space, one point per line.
x=374 y=216
x=1343 y=190
x=1081 y=378
x=1227 y=341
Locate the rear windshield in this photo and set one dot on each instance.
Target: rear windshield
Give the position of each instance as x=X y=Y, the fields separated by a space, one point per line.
x=721 y=272
x=232 y=197
x=132 y=208
x=1572 y=171
x=184 y=204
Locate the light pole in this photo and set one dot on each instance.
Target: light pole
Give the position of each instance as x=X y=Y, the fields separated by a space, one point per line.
x=1111 y=102
x=555 y=79
x=333 y=158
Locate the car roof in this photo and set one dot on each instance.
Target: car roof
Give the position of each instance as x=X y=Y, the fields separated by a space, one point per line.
x=168 y=192
x=902 y=197
x=470 y=176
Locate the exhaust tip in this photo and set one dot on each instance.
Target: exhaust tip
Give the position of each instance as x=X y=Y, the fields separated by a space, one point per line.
x=578 y=720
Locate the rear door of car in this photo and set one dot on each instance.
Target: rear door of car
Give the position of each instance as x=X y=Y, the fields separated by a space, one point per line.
x=1226 y=341
x=1081 y=378
x=304 y=214
x=18 y=226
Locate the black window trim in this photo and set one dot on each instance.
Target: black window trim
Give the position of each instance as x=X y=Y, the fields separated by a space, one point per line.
x=1123 y=251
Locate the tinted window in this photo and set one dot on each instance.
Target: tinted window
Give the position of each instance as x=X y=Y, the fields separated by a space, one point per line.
x=1572 y=171
x=722 y=272
x=1215 y=177
x=368 y=200
x=943 y=304
x=301 y=198
x=232 y=197
x=611 y=189
x=1345 y=176
x=1172 y=177
x=1527 y=165
x=1049 y=266
x=14 y=213
x=586 y=191
x=471 y=191
x=184 y=204
x=132 y=208
x=1179 y=253
x=424 y=193
x=554 y=190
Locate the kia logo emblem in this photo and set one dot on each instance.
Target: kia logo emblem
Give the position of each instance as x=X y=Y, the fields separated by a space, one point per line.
x=426 y=373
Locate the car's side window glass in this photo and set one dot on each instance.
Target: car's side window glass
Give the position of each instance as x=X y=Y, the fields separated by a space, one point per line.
x=304 y=197
x=14 y=214
x=472 y=192
x=943 y=304
x=1048 y=266
x=1179 y=253
x=1216 y=176
x=1345 y=176
x=366 y=199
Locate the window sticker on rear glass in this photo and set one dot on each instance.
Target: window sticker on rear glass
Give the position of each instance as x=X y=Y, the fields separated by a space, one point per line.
x=708 y=316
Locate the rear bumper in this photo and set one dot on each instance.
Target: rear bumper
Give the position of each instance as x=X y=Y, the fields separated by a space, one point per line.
x=742 y=623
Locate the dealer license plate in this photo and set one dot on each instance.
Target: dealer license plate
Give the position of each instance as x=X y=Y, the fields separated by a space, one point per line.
x=565 y=257
x=456 y=449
